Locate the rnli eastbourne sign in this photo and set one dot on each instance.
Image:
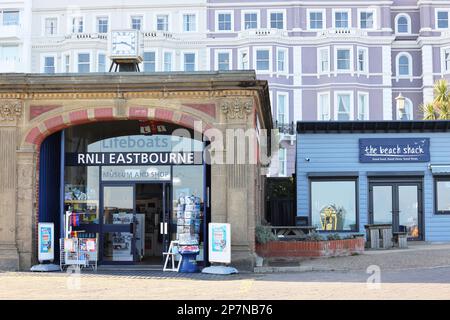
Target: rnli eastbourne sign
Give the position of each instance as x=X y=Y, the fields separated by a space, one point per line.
x=133 y=158
x=394 y=150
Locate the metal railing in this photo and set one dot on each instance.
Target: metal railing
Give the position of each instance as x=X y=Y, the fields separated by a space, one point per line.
x=285 y=128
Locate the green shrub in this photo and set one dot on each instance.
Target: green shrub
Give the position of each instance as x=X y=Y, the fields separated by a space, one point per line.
x=263 y=234
x=333 y=236
x=313 y=236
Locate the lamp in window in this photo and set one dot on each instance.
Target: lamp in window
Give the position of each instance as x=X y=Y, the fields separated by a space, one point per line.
x=400 y=102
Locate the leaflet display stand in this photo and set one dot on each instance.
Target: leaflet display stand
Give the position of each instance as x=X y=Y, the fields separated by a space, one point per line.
x=79 y=250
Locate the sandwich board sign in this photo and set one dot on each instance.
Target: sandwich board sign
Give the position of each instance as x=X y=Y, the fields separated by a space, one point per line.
x=219 y=242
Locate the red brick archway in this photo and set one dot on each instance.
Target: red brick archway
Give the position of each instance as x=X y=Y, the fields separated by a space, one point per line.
x=39 y=132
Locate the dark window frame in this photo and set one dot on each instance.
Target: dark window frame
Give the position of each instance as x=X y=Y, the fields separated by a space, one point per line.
x=331 y=178
x=436 y=179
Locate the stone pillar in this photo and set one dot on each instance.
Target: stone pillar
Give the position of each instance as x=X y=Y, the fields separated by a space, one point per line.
x=238 y=192
x=26 y=219
x=10 y=112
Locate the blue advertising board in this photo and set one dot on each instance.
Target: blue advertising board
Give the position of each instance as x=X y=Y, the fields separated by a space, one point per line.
x=394 y=150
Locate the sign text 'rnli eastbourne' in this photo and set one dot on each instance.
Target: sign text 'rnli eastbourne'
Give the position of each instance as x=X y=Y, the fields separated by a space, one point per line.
x=133 y=158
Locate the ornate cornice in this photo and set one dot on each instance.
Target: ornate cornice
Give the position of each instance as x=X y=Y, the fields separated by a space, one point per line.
x=126 y=94
x=237 y=109
x=10 y=110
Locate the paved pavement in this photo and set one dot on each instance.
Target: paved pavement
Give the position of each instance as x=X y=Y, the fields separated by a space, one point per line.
x=418 y=273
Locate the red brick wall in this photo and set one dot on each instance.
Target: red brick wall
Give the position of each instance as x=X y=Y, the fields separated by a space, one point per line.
x=311 y=248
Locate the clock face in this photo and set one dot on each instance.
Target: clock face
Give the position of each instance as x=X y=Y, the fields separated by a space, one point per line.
x=124 y=43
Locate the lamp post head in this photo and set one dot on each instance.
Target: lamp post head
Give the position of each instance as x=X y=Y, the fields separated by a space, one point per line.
x=400 y=101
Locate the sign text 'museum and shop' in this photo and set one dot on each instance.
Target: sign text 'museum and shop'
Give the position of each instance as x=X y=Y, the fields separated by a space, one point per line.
x=394 y=150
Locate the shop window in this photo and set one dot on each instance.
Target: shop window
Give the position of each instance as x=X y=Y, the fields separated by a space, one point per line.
x=442 y=195
x=333 y=204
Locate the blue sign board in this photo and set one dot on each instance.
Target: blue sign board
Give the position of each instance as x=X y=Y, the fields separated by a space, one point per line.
x=394 y=150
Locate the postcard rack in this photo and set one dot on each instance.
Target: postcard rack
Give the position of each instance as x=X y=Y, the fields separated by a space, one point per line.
x=78 y=252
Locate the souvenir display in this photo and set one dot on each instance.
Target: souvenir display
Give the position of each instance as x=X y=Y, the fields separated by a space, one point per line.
x=188 y=222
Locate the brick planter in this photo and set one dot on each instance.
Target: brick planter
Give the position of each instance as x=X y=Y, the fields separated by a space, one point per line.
x=329 y=248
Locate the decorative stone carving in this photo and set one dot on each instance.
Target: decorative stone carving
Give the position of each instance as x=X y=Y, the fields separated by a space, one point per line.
x=10 y=110
x=237 y=109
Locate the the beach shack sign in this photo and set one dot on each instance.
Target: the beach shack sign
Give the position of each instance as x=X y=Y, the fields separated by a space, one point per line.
x=394 y=150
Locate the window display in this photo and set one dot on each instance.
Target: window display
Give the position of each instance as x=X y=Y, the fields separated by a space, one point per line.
x=333 y=205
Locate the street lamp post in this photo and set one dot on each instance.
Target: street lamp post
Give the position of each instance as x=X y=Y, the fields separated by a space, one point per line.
x=400 y=101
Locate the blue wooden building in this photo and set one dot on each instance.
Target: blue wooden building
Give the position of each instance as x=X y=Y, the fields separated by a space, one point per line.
x=353 y=173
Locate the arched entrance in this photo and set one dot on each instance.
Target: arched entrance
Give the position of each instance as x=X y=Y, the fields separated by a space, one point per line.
x=119 y=185
x=35 y=108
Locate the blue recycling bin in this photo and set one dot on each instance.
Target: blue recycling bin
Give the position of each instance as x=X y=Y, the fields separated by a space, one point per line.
x=188 y=262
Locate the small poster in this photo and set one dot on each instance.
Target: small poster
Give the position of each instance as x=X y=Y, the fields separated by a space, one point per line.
x=45 y=239
x=220 y=242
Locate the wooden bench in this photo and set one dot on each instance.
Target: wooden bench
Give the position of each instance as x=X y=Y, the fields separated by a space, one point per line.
x=400 y=239
x=291 y=232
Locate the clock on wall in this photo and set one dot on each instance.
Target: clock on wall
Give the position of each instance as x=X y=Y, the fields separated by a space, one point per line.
x=125 y=45
x=124 y=48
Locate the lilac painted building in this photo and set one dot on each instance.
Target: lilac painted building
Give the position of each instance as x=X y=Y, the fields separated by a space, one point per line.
x=333 y=60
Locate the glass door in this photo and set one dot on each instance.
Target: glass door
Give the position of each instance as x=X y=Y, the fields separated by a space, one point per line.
x=409 y=207
x=399 y=204
x=166 y=225
x=118 y=218
x=382 y=204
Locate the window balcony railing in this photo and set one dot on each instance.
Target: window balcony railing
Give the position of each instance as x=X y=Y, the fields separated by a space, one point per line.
x=344 y=32
x=285 y=128
x=262 y=33
x=86 y=36
x=157 y=35
x=11 y=31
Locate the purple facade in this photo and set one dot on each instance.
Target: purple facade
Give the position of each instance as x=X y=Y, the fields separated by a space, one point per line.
x=334 y=60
